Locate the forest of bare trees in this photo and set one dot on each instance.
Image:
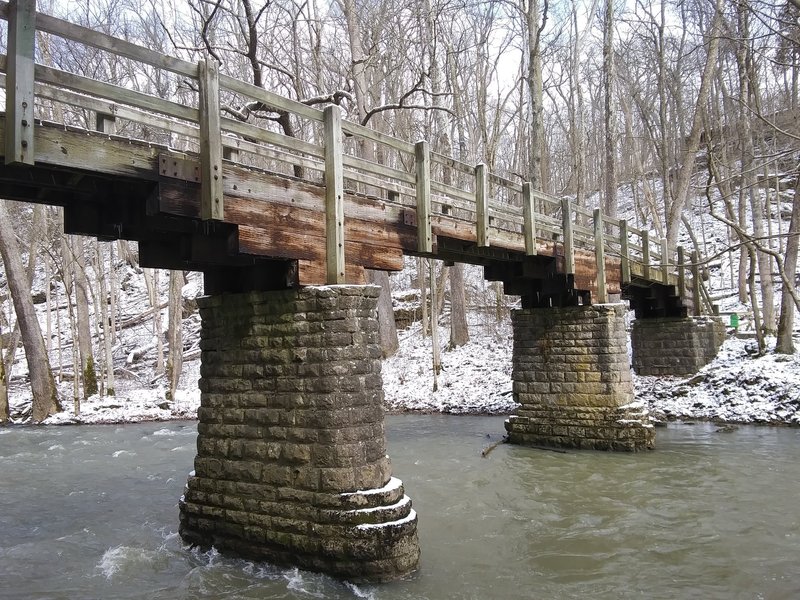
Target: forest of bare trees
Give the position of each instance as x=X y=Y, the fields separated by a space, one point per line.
x=691 y=107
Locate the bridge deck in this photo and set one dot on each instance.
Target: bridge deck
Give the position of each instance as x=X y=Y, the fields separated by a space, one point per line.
x=208 y=191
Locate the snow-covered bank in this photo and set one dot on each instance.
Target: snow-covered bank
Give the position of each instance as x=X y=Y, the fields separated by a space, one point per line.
x=737 y=387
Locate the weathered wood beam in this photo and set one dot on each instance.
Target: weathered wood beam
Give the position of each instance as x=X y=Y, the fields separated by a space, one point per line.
x=334 y=195
x=646 y=254
x=624 y=252
x=665 y=261
x=681 y=274
x=423 y=172
x=569 y=248
x=19 y=82
x=211 y=198
x=599 y=252
x=482 y=204
x=529 y=214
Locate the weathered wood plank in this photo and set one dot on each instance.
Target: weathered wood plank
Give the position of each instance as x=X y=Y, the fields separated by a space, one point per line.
x=624 y=252
x=482 y=205
x=211 y=197
x=423 y=170
x=569 y=247
x=334 y=195
x=599 y=253
x=19 y=142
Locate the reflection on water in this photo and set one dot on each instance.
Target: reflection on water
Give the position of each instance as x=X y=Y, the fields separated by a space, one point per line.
x=90 y=512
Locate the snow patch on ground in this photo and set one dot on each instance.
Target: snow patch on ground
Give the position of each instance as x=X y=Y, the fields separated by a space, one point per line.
x=475 y=378
x=736 y=387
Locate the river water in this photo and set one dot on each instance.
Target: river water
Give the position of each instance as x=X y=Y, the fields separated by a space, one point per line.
x=90 y=512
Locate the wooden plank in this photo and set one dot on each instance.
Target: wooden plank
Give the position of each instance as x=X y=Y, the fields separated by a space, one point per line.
x=314 y=273
x=624 y=252
x=529 y=214
x=105 y=123
x=248 y=130
x=269 y=99
x=97 y=39
x=569 y=247
x=371 y=167
x=115 y=93
x=681 y=274
x=599 y=252
x=645 y=254
x=482 y=205
x=351 y=128
x=334 y=195
x=696 y=283
x=664 y=261
x=211 y=197
x=19 y=137
x=423 y=172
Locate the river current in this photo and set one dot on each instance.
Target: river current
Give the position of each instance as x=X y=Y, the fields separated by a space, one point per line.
x=91 y=512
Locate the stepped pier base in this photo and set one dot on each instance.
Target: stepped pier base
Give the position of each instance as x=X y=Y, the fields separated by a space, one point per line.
x=664 y=346
x=572 y=378
x=291 y=463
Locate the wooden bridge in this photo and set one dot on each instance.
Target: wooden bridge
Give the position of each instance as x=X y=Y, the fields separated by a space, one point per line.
x=203 y=181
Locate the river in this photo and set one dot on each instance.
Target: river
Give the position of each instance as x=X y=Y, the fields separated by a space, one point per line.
x=90 y=512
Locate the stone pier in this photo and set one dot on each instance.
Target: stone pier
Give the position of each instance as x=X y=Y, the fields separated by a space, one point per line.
x=572 y=378
x=291 y=463
x=678 y=346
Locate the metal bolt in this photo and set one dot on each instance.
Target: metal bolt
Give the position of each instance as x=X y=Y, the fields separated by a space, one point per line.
x=24 y=143
x=24 y=122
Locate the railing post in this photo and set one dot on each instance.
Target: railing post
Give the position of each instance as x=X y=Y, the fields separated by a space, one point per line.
x=681 y=274
x=19 y=82
x=529 y=213
x=569 y=249
x=665 y=261
x=625 y=253
x=482 y=204
x=422 y=154
x=211 y=205
x=334 y=195
x=599 y=251
x=646 y=255
x=696 y=283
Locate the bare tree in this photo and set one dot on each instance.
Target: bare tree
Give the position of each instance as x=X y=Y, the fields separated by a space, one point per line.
x=43 y=389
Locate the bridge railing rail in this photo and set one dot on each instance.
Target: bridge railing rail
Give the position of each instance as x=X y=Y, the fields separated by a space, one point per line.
x=226 y=120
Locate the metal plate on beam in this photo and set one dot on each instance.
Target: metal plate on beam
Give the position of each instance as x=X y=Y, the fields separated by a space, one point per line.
x=177 y=167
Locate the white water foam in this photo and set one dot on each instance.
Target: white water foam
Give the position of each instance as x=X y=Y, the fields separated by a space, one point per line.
x=119 y=453
x=124 y=558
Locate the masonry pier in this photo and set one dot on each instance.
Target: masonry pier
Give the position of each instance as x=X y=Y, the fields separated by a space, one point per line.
x=291 y=463
x=675 y=346
x=572 y=378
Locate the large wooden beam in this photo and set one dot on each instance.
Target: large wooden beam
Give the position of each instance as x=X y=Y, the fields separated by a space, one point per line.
x=529 y=215
x=423 y=171
x=19 y=82
x=334 y=195
x=482 y=204
x=211 y=206
x=599 y=252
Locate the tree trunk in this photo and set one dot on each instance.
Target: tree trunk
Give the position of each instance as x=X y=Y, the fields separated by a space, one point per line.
x=107 y=327
x=459 y=333
x=437 y=359
x=610 y=200
x=175 y=360
x=5 y=414
x=386 y=325
x=785 y=344
x=43 y=388
x=81 y=282
x=423 y=295
x=534 y=78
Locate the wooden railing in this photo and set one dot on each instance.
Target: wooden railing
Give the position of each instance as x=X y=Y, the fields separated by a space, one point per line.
x=221 y=118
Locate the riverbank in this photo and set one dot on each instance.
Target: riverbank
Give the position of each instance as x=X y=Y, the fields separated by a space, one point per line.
x=475 y=379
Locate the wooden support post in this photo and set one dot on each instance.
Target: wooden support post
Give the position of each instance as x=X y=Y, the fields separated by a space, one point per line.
x=569 y=249
x=334 y=195
x=482 y=204
x=529 y=214
x=599 y=251
x=646 y=255
x=19 y=82
x=696 y=283
x=211 y=206
x=423 y=166
x=625 y=253
x=681 y=274
x=664 y=261
x=105 y=123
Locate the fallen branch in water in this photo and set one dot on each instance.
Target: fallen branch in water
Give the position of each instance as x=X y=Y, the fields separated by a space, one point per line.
x=485 y=452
